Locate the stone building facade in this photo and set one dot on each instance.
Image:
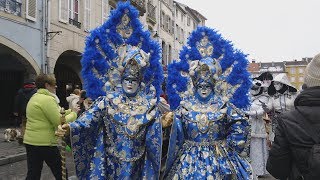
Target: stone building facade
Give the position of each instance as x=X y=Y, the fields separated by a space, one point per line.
x=73 y=19
x=294 y=69
x=21 y=49
x=49 y=36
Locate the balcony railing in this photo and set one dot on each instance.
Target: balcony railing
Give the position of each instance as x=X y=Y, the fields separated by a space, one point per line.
x=151 y=13
x=11 y=6
x=75 y=23
x=139 y=4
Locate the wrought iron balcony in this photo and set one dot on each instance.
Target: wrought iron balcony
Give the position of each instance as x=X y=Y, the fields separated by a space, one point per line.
x=151 y=13
x=75 y=23
x=139 y=4
x=11 y=6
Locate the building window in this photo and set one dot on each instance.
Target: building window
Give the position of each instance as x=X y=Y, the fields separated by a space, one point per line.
x=167 y=23
x=301 y=70
x=74 y=9
x=11 y=6
x=182 y=36
x=151 y=11
x=162 y=17
x=293 y=70
x=181 y=17
x=177 y=12
x=63 y=11
x=31 y=10
x=177 y=33
x=104 y=10
x=74 y=13
x=293 y=79
x=169 y=54
x=301 y=79
x=164 y=53
x=87 y=15
x=172 y=26
x=188 y=21
x=194 y=25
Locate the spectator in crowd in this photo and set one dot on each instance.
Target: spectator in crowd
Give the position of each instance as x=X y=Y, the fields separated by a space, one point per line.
x=43 y=116
x=295 y=152
x=20 y=103
x=84 y=102
x=73 y=98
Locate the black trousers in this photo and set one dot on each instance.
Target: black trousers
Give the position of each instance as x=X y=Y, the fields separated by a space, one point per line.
x=35 y=157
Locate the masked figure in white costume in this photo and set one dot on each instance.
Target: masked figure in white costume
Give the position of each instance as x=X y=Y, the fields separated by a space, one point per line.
x=258 y=143
x=282 y=99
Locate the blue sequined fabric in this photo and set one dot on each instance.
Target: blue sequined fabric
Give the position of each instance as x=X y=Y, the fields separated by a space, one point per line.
x=210 y=150
x=106 y=146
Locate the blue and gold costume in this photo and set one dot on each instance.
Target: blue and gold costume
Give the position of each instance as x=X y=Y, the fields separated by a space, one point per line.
x=208 y=138
x=120 y=136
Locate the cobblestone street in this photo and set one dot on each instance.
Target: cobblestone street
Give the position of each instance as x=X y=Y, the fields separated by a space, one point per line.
x=18 y=170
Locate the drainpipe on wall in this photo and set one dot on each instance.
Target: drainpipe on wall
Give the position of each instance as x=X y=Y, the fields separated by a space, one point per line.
x=43 y=36
x=176 y=54
x=158 y=27
x=47 y=63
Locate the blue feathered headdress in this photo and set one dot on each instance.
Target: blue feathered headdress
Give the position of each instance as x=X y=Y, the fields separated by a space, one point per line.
x=108 y=44
x=227 y=65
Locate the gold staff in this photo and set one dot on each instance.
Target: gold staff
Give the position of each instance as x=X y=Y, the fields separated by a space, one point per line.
x=63 y=147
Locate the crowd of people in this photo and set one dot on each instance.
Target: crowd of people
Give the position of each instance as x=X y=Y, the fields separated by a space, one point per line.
x=211 y=120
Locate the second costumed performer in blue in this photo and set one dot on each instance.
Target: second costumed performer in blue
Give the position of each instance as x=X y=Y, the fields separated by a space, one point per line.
x=120 y=135
x=208 y=91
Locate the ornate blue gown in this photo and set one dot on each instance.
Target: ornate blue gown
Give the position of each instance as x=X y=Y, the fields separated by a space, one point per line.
x=205 y=142
x=118 y=138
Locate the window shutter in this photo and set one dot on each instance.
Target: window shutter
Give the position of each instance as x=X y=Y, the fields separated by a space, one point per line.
x=87 y=15
x=31 y=10
x=63 y=11
x=166 y=23
x=172 y=26
x=104 y=10
x=169 y=24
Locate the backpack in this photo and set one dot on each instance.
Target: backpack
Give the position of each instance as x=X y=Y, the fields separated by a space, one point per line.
x=314 y=155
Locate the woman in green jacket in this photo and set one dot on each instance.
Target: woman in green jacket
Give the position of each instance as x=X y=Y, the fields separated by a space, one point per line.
x=43 y=116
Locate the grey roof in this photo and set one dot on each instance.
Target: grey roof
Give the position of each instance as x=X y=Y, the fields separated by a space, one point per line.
x=182 y=7
x=195 y=14
x=272 y=66
x=304 y=61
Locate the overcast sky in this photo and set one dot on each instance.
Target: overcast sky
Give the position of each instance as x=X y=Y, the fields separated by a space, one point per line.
x=267 y=30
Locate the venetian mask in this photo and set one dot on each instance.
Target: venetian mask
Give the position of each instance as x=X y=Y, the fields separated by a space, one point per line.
x=204 y=89
x=277 y=85
x=130 y=85
x=131 y=78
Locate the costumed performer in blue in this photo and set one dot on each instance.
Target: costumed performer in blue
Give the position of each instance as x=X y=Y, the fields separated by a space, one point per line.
x=120 y=135
x=208 y=91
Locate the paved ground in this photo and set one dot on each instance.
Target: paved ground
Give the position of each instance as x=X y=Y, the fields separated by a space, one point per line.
x=18 y=171
x=13 y=164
